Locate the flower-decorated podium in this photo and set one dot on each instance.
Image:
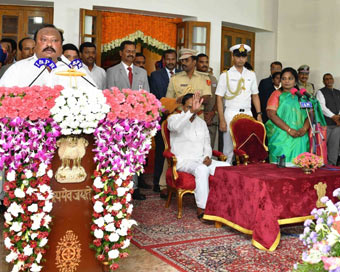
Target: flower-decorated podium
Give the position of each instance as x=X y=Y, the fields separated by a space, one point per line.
x=69 y=156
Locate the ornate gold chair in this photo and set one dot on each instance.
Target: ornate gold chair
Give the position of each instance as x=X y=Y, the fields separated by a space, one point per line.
x=180 y=183
x=248 y=137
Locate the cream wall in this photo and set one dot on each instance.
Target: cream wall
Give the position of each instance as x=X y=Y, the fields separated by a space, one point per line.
x=308 y=33
x=256 y=15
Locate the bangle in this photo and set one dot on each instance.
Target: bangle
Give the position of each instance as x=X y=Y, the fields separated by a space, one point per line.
x=288 y=130
x=260 y=112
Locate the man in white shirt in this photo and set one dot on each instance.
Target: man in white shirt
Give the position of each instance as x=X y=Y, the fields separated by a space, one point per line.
x=238 y=88
x=190 y=142
x=329 y=99
x=88 y=56
x=23 y=73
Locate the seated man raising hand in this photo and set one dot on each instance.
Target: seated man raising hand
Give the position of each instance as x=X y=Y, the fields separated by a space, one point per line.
x=190 y=142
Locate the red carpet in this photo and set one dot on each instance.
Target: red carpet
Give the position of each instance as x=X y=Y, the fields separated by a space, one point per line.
x=189 y=245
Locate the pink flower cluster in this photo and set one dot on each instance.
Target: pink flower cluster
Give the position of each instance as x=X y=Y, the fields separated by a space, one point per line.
x=129 y=104
x=308 y=160
x=29 y=102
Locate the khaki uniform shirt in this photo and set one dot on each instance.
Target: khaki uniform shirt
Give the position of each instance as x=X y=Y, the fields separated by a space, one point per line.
x=180 y=81
x=308 y=86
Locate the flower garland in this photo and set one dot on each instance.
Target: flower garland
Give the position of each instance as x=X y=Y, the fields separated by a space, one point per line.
x=122 y=143
x=322 y=238
x=79 y=110
x=27 y=148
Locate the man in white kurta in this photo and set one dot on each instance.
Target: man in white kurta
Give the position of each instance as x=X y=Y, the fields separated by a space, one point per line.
x=190 y=142
x=238 y=88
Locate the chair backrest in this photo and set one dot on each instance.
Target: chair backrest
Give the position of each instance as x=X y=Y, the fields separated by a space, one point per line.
x=166 y=135
x=246 y=132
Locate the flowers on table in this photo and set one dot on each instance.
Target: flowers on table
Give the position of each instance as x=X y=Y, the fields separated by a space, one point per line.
x=122 y=143
x=79 y=110
x=308 y=161
x=322 y=238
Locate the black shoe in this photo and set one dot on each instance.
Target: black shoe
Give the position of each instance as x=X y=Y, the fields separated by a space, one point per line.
x=156 y=189
x=143 y=185
x=137 y=195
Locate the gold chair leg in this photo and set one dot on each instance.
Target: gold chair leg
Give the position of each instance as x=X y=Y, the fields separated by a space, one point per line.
x=218 y=224
x=237 y=160
x=179 y=203
x=167 y=204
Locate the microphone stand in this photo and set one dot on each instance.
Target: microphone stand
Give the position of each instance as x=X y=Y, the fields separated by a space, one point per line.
x=38 y=76
x=60 y=59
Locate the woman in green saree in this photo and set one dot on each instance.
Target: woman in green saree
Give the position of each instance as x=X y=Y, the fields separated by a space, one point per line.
x=288 y=124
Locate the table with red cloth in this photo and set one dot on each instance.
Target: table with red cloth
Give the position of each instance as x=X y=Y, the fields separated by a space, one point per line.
x=256 y=199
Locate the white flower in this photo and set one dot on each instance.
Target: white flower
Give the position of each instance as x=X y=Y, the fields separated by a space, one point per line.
x=8 y=217
x=34 y=235
x=33 y=208
x=121 y=191
x=35 y=267
x=16 y=226
x=25 y=182
x=331 y=207
x=122 y=231
x=48 y=206
x=110 y=227
x=12 y=256
x=113 y=254
x=15 y=209
x=99 y=222
x=41 y=170
x=128 y=197
x=126 y=243
x=47 y=220
x=17 y=266
x=11 y=175
x=117 y=206
x=108 y=218
x=129 y=209
x=39 y=257
x=28 y=174
x=44 y=188
x=28 y=251
x=50 y=173
x=98 y=207
x=98 y=183
x=43 y=242
x=30 y=191
x=120 y=215
x=119 y=181
x=333 y=237
x=98 y=233
x=8 y=243
x=114 y=237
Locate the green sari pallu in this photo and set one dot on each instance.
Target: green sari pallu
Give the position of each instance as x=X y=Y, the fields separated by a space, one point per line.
x=279 y=141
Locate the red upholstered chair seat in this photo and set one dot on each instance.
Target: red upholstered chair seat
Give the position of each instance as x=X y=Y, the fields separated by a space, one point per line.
x=249 y=139
x=184 y=181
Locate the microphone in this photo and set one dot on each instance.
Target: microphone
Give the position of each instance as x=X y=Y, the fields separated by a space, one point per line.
x=46 y=65
x=305 y=93
x=60 y=59
x=296 y=92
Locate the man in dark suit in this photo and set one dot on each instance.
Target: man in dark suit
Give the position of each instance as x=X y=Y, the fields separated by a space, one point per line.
x=266 y=87
x=125 y=75
x=159 y=81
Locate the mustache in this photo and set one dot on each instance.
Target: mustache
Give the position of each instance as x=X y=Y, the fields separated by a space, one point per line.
x=130 y=56
x=49 y=48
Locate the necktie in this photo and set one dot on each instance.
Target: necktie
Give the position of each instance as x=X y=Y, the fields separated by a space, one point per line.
x=171 y=73
x=130 y=76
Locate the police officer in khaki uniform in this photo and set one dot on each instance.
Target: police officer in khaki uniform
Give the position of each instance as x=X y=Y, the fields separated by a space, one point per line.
x=189 y=80
x=303 y=74
x=210 y=108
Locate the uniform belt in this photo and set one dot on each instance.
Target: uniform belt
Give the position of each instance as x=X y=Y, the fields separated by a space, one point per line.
x=241 y=110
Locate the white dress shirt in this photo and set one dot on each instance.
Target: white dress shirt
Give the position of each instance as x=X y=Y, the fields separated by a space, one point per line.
x=326 y=111
x=243 y=100
x=169 y=74
x=98 y=74
x=23 y=72
x=189 y=140
x=126 y=68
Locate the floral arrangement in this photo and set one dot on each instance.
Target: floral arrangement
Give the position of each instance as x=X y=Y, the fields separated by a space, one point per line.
x=308 y=161
x=29 y=102
x=322 y=238
x=27 y=148
x=79 y=110
x=122 y=143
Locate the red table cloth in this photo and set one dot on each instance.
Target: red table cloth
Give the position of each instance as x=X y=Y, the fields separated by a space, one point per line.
x=256 y=199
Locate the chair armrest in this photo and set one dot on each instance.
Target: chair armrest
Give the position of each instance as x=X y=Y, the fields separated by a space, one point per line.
x=219 y=155
x=172 y=162
x=241 y=153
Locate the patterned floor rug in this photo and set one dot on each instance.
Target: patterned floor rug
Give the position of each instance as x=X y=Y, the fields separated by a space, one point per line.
x=189 y=245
